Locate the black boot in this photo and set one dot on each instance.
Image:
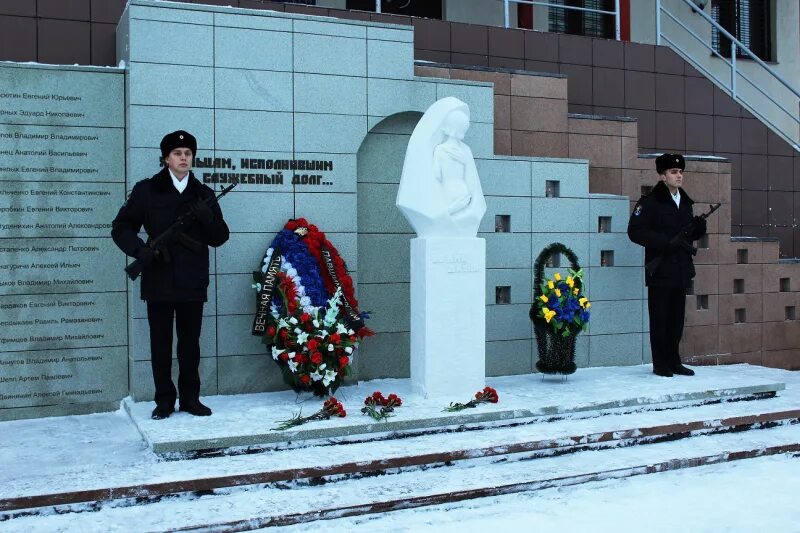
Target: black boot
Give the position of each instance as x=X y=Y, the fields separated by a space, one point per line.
x=194 y=408
x=660 y=371
x=682 y=370
x=162 y=411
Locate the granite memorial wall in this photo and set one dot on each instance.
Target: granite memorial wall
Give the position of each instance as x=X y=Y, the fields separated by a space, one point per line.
x=63 y=330
x=311 y=117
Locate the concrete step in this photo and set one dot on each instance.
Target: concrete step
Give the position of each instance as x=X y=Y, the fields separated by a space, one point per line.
x=244 y=422
x=331 y=462
x=263 y=505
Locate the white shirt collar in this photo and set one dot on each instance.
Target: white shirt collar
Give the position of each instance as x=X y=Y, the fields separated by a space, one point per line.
x=179 y=184
x=676 y=197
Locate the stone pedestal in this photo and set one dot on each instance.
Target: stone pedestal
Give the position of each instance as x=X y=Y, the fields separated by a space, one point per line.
x=448 y=316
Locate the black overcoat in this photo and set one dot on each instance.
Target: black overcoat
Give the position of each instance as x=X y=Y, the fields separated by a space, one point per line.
x=155 y=204
x=655 y=220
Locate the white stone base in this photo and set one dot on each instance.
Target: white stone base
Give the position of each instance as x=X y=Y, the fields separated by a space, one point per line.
x=448 y=317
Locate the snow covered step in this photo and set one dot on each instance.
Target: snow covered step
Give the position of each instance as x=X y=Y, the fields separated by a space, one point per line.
x=335 y=461
x=258 y=506
x=246 y=420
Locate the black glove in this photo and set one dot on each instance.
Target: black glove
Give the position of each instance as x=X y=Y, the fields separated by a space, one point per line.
x=202 y=212
x=146 y=255
x=699 y=225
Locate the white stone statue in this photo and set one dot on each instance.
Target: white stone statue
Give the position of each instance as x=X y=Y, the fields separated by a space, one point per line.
x=440 y=192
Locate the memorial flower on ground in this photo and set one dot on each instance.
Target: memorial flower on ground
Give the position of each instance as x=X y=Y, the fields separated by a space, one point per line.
x=379 y=407
x=332 y=407
x=562 y=303
x=487 y=395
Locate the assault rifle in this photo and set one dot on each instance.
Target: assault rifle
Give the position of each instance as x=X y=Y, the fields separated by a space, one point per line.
x=680 y=241
x=175 y=232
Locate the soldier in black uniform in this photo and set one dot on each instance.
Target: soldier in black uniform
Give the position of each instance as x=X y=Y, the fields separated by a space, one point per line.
x=175 y=276
x=657 y=218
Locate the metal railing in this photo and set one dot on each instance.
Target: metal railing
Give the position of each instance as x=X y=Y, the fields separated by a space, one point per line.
x=507 y=13
x=792 y=136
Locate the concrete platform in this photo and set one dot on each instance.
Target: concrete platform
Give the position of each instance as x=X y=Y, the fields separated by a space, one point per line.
x=248 y=420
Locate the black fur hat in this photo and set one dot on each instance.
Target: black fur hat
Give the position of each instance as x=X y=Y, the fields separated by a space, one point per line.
x=665 y=162
x=178 y=139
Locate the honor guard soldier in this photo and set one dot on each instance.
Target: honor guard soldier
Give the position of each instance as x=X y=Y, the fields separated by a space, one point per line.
x=174 y=273
x=662 y=222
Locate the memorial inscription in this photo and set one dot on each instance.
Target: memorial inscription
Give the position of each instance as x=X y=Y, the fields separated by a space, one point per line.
x=63 y=334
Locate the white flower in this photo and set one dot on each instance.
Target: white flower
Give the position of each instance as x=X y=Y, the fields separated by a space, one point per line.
x=348 y=349
x=276 y=352
x=315 y=322
x=292 y=320
x=283 y=324
x=292 y=366
x=286 y=266
x=330 y=375
x=315 y=375
x=298 y=331
x=305 y=301
x=256 y=286
x=322 y=366
x=330 y=347
x=309 y=309
x=302 y=337
x=291 y=272
x=341 y=329
x=298 y=280
x=350 y=332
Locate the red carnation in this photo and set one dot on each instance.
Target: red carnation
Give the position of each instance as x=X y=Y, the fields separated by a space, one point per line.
x=284 y=357
x=291 y=225
x=271 y=331
x=335 y=338
x=305 y=379
x=394 y=400
x=343 y=361
x=305 y=317
x=300 y=359
x=312 y=345
x=316 y=358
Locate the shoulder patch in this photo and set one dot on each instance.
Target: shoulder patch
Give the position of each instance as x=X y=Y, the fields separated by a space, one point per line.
x=638 y=210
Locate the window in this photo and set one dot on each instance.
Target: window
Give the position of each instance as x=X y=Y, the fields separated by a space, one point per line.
x=414 y=8
x=750 y=21
x=583 y=22
x=603 y=224
x=502 y=295
x=502 y=223
x=552 y=189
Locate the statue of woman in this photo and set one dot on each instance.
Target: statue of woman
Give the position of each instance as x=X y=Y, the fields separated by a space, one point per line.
x=440 y=192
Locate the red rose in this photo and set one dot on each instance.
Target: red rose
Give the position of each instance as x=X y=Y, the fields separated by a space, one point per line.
x=335 y=338
x=284 y=357
x=300 y=359
x=316 y=358
x=305 y=317
x=312 y=345
x=343 y=360
x=305 y=379
x=271 y=331
x=284 y=334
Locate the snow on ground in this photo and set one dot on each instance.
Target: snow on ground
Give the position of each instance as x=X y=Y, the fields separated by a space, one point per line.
x=252 y=414
x=92 y=451
x=47 y=455
x=741 y=496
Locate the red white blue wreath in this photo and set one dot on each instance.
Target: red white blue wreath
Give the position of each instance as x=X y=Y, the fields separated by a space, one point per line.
x=307 y=312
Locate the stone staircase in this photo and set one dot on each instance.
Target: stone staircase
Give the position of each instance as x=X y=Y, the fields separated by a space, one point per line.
x=307 y=476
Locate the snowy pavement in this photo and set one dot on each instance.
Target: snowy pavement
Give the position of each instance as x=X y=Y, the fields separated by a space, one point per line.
x=105 y=450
